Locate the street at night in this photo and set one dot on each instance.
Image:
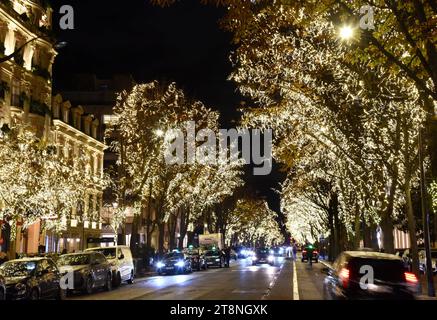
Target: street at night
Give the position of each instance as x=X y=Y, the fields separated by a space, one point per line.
x=177 y=154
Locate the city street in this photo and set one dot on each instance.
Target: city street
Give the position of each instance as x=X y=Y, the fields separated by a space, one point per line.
x=240 y=282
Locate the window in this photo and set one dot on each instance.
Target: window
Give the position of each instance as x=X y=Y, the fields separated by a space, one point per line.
x=109 y=119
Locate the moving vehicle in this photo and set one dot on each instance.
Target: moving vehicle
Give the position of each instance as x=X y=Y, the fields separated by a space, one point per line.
x=91 y=270
x=263 y=255
x=234 y=255
x=422 y=260
x=121 y=261
x=350 y=277
x=174 y=262
x=211 y=241
x=31 y=278
x=314 y=256
x=214 y=258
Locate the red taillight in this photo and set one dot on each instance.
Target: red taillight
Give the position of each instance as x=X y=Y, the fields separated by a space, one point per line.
x=344 y=276
x=304 y=251
x=316 y=252
x=411 y=277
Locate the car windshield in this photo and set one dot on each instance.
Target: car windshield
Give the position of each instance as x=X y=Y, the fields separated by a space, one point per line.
x=18 y=268
x=174 y=255
x=262 y=251
x=74 y=260
x=109 y=253
x=211 y=253
x=383 y=269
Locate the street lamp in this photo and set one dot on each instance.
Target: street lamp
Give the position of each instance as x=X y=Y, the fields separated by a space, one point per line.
x=159 y=133
x=346 y=32
x=57 y=46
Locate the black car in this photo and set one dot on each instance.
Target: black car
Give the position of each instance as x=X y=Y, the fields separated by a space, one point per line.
x=174 y=262
x=198 y=261
x=314 y=255
x=368 y=275
x=2 y=288
x=89 y=270
x=32 y=278
x=263 y=255
x=214 y=258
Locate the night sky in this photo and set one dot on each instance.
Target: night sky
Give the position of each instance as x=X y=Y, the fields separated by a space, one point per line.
x=182 y=43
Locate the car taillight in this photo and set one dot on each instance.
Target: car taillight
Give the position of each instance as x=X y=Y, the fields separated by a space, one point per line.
x=344 y=276
x=411 y=277
x=304 y=251
x=316 y=252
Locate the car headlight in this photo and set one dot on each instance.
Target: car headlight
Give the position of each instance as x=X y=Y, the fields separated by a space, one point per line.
x=160 y=264
x=21 y=288
x=217 y=260
x=180 y=263
x=271 y=258
x=254 y=258
x=271 y=251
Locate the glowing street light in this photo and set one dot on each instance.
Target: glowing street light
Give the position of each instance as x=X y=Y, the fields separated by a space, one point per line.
x=346 y=33
x=159 y=133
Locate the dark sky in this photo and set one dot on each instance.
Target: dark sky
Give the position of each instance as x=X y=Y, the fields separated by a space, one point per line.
x=182 y=43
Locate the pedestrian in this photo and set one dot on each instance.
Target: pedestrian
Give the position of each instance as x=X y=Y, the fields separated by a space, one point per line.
x=294 y=251
x=228 y=256
x=64 y=251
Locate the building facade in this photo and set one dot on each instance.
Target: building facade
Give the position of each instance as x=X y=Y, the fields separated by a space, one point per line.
x=26 y=97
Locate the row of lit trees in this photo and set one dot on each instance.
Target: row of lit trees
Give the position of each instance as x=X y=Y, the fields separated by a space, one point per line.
x=163 y=192
x=38 y=183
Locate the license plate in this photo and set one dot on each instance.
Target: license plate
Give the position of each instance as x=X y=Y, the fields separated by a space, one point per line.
x=169 y=268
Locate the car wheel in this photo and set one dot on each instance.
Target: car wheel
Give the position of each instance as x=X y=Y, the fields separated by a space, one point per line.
x=89 y=285
x=108 y=285
x=131 y=279
x=117 y=280
x=34 y=294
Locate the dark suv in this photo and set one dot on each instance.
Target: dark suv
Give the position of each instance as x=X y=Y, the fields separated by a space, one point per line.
x=263 y=255
x=368 y=275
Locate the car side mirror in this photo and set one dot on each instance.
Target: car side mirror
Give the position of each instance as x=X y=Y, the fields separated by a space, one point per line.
x=121 y=256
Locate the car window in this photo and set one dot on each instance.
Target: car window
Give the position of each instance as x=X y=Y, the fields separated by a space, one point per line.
x=18 y=268
x=52 y=266
x=74 y=260
x=383 y=269
x=100 y=258
x=43 y=265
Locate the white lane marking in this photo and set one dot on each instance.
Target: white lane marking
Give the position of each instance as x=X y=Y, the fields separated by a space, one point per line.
x=295 y=286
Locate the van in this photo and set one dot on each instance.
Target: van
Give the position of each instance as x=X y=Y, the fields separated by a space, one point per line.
x=122 y=264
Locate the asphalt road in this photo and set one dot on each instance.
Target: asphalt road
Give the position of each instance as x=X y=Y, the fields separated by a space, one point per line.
x=241 y=281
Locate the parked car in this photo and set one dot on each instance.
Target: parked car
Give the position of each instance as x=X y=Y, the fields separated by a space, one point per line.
x=263 y=255
x=391 y=280
x=91 y=270
x=198 y=261
x=2 y=288
x=422 y=261
x=214 y=258
x=121 y=261
x=174 y=262
x=314 y=256
x=32 y=278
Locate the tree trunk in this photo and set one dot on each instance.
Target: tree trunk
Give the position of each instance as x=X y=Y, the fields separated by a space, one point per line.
x=387 y=232
x=412 y=231
x=161 y=229
x=357 y=236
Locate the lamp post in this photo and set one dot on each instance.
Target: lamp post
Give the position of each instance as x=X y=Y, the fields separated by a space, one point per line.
x=58 y=45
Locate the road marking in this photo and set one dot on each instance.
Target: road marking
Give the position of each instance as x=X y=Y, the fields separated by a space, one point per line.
x=295 y=286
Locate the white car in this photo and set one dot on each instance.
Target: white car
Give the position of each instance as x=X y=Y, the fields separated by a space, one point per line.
x=122 y=264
